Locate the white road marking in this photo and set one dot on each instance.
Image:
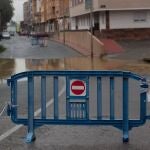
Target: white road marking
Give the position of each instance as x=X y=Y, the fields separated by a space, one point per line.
x=17 y=127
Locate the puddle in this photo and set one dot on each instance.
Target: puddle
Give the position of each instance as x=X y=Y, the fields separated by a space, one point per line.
x=9 y=67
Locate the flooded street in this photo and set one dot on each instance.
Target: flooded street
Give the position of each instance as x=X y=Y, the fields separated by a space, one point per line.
x=16 y=60
x=21 y=56
x=74 y=75
x=74 y=137
x=9 y=67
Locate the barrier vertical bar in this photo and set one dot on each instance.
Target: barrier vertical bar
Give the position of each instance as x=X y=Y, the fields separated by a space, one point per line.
x=43 y=97
x=125 y=110
x=68 y=105
x=87 y=99
x=14 y=100
x=143 y=106
x=99 y=98
x=111 y=98
x=55 y=97
x=76 y=110
x=30 y=136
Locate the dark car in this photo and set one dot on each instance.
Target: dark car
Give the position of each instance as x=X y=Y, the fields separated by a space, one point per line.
x=12 y=33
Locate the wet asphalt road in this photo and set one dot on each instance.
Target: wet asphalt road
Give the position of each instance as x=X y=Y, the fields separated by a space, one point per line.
x=20 y=47
x=62 y=137
x=72 y=137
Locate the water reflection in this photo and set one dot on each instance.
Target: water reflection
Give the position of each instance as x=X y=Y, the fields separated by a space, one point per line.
x=44 y=64
x=6 y=68
x=10 y=66
x=72 y=64
x=19 y=66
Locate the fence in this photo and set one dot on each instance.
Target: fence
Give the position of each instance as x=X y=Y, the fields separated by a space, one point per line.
x=113 y=98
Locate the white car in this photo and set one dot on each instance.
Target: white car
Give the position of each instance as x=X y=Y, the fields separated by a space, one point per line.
x=5 y=35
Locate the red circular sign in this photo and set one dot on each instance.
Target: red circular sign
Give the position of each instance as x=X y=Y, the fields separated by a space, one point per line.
x=78 y=87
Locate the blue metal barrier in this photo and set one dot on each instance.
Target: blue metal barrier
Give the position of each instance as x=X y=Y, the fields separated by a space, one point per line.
x=77 y=99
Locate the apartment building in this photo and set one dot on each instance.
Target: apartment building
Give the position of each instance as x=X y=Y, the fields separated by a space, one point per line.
x=26 y=12
x=50 y=15
x=110 y=15
x=57 y=15
x=35 y=14
x=26 y=15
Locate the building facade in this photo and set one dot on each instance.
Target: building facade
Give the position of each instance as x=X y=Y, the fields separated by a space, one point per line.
x=26 y=14
x=50 y=15
x=114 y=14
x=57 y=14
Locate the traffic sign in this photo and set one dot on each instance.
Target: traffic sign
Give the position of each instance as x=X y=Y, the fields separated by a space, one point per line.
x=77 y=87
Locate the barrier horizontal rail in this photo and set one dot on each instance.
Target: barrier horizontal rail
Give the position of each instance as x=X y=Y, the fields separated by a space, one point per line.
x=77 y=99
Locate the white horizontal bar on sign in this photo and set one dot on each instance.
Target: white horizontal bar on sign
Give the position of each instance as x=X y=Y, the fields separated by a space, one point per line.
x=77 y=87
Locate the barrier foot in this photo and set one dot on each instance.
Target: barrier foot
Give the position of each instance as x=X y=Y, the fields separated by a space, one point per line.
x=30 y=137
x=125 y=139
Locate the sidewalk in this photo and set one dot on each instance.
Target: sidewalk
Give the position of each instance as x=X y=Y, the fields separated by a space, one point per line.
x=135 y=50
x=111 y=46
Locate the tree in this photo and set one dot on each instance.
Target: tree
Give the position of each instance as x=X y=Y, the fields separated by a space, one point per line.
x=6 y=12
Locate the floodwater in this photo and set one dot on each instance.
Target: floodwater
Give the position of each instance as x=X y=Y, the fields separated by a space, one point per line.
x=9 y=67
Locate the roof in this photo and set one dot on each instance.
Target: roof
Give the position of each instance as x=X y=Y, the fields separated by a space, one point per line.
x=124 y=4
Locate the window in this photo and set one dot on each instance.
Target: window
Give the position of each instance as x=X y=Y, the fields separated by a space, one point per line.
x=53 y=10
x=76 y=2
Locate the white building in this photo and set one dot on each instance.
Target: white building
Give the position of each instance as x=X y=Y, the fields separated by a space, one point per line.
x=110 y=14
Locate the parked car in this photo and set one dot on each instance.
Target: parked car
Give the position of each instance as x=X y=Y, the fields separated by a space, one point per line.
x=5 y=35
x=12 y=33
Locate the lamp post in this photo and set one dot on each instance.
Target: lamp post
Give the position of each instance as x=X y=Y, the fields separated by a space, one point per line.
x=63 y=22
x=89 y=6
x=91 y=27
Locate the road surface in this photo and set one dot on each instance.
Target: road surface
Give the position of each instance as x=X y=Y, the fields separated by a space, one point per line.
x=61 y=137
x=20 y=47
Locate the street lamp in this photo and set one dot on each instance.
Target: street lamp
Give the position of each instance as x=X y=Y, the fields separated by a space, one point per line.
x=89 y=6
x=64 y=23
x=91 y=26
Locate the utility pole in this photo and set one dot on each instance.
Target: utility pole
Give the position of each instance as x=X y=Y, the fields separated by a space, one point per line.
x=91 y=27
x=63 y=23
x=89 y=6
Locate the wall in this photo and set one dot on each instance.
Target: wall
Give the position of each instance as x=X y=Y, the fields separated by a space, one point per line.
x=118 y=19
x=81 y=40
x=80 y=9
x=125 y=19
x=102 y=20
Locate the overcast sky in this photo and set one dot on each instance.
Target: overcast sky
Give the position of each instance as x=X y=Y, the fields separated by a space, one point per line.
x=18 y=12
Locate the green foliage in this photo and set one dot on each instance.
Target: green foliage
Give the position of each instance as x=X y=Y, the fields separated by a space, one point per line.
x=6 y=11
x=2 y=48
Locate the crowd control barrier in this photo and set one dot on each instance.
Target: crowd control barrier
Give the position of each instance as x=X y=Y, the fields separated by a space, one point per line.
x=88 y=98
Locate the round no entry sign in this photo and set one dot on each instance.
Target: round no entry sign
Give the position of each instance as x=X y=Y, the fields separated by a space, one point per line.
x=77 y=88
